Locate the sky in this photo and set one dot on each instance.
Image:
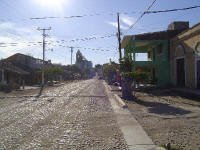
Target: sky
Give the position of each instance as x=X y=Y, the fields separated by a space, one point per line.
x=19 y=34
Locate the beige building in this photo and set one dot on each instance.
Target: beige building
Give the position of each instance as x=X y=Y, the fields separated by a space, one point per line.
x=185 y=58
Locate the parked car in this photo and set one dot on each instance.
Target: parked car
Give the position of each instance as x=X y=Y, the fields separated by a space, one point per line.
x=116 y=84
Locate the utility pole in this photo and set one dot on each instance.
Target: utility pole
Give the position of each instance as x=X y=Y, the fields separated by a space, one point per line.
x=44 y=45
x=119 y=38
x=72 y=53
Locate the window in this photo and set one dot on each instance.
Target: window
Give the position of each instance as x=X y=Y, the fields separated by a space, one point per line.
x=141 y=56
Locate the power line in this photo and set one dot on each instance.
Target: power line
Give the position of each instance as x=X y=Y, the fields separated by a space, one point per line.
x=89 y=38
x=86 y=48
x=68 y=17
x=78 y=16
x=140 y=17
x=56 y=45
x=35 y=43
x=84 y=39
x=161 y=11
x=171 y=10
x=101 y=14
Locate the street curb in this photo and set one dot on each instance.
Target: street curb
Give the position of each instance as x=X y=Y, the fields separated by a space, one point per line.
x=121 y=102
x=109 y=87
x=134 y=135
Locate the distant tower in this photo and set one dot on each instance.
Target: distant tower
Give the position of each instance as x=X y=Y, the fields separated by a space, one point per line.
x=79 y=56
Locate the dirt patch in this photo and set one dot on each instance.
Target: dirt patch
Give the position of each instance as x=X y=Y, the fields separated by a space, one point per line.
x=168 y=117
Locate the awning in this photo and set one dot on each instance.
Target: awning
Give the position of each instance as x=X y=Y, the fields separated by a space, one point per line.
x=9 y=67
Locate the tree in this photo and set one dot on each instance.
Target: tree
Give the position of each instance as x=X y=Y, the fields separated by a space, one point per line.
x=53 y=73
x=129 y=76
x=97 y=67
x=109 y=70
x=72 y=72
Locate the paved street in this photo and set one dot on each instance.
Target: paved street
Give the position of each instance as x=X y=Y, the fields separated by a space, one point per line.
x=73 y=116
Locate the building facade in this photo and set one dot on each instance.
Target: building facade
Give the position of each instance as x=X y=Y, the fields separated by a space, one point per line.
x=11 y=75
x=185 y=58
x=156 y=46
x=29 y=64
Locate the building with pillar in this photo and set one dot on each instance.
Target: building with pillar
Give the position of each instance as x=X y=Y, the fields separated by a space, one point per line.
x=11 y=75
x=185 y=58
x=155 y=47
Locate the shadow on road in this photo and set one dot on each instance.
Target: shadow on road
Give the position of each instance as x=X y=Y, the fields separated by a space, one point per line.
x=40 y=92
x=162 y=109
x=168 y=92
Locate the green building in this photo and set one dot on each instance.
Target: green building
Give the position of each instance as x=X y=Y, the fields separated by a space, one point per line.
x=155 y=47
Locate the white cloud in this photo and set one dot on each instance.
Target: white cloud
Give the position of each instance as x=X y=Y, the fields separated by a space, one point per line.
x=115 y=24
x=6 y=25
x=125 y=22
x=12 y=33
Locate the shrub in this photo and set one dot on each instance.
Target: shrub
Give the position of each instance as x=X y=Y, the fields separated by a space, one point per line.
x=136 y=76
x=141 y=76
x=126 y=65
x=109 y=70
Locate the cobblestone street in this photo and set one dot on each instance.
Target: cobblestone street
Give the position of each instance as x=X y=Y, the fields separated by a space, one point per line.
x=73 y=116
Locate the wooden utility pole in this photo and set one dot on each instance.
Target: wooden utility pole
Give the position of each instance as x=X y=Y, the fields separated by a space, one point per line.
x=71 y=54
x=119 y=37
x=44 y=44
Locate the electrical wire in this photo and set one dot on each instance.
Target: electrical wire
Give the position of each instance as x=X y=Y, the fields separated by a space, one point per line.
x=84 y=39
x=35 y=44
x=85 y=48
x=171 y=10
x=140 y=17
x=48 y=42
x=78 y=16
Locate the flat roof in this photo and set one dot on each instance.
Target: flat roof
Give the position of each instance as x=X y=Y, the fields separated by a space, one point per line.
x=160 y=35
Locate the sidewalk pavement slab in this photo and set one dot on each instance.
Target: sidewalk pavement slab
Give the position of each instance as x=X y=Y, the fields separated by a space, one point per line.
x=134 y=134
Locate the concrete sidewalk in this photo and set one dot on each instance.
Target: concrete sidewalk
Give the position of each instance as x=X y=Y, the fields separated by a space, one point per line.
x=188 y=92
x=134 y=134
x=29 y=87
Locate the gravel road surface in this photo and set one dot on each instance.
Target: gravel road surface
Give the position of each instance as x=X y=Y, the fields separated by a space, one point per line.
x=73 y=116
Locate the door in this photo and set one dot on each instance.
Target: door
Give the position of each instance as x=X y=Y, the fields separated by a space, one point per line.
x=180 y=69
x=198 y=74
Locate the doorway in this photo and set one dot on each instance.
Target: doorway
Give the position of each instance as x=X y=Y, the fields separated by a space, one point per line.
x=180 y=72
